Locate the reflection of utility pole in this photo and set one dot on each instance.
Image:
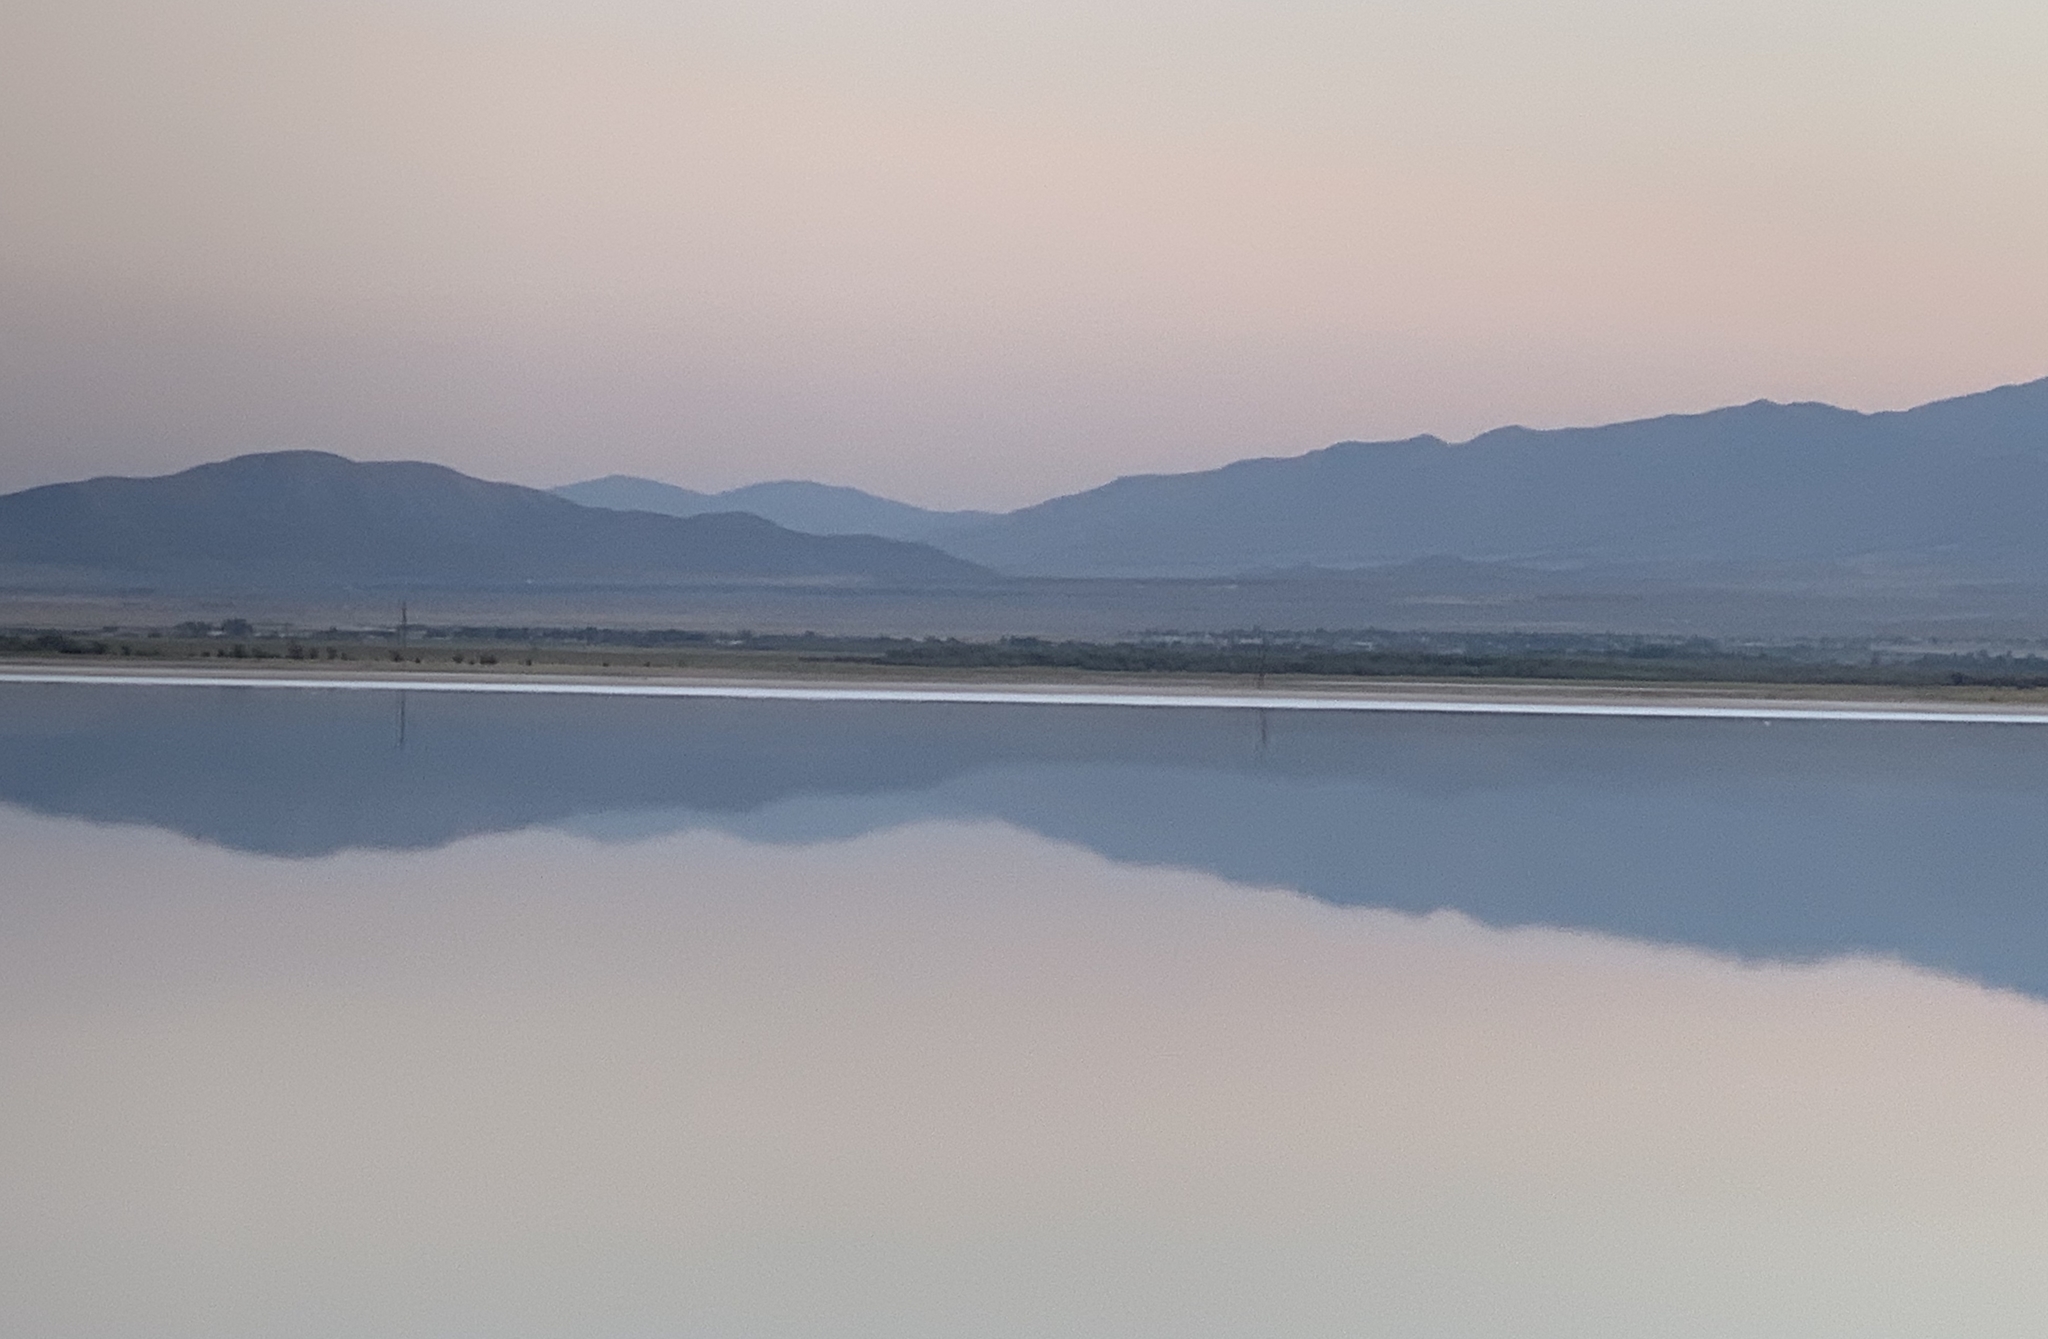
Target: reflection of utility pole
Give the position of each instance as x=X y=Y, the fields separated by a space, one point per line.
x=401 y=718
x=1265 y=737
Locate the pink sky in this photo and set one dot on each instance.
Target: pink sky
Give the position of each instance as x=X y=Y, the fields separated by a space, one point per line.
x=975 y=255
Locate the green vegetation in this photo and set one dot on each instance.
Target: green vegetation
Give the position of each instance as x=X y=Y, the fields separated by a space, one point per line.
x=1650 y=663
x=1257 y=656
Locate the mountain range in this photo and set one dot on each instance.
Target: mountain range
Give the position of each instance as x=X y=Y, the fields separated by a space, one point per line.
x=814 y=508
x=311 y=518
x=1950 y=492
x=1959 y=486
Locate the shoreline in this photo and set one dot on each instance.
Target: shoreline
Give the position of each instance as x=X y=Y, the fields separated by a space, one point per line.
x=1491 y=698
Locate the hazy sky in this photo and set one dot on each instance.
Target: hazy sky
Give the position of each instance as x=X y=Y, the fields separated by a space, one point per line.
x=978 y=253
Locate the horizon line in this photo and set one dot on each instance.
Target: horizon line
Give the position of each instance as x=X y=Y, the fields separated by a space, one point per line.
x=1763 y=711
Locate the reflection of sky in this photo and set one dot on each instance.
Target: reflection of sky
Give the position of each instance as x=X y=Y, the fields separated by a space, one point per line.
x=957 y=1078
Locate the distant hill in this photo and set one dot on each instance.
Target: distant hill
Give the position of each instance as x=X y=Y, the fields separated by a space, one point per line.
x=1960 y=486
x=1788 y=498
x=814 y=508
x=308 y=517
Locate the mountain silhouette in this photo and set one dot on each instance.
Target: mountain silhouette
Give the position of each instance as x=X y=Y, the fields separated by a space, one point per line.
x=309 y=517
x=1958 y=487
x=796 y=504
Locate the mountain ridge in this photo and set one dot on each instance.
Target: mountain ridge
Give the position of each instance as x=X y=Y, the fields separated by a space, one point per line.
x=317 y=517
x=1954 y=490
x=1962 y=481
x=796 y=504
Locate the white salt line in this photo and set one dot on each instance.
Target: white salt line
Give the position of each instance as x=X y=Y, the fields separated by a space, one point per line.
x=1018 y=697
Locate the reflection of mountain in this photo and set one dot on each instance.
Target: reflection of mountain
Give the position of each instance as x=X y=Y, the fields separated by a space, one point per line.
x=1780 y=840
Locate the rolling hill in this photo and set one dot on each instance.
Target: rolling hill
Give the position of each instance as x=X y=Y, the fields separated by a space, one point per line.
x=308 y=517
x=814 y=508
x=1959 y=486
x=1950 y=493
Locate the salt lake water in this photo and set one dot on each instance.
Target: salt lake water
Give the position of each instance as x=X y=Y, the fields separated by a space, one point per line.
x=369 y=1014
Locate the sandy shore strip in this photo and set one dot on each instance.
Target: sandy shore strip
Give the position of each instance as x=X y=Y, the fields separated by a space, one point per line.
x=1470 y=699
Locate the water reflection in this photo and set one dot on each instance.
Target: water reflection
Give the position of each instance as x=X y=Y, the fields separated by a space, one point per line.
x=1785 y=841
x=954 y=1078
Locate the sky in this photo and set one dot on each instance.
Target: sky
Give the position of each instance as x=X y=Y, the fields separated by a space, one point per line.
x=977 y=254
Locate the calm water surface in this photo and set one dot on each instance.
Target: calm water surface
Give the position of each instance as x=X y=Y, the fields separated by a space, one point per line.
x=323 y=1015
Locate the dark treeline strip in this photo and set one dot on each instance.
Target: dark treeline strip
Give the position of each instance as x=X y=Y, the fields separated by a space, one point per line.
x=151 y=646
x=57 y=644
x=637 y=638
x=1645 y=665
x=1556 y=657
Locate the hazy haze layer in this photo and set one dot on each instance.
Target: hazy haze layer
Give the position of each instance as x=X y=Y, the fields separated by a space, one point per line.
x=976 y=256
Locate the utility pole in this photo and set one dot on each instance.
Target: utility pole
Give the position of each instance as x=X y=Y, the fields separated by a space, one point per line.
x=403 y=619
